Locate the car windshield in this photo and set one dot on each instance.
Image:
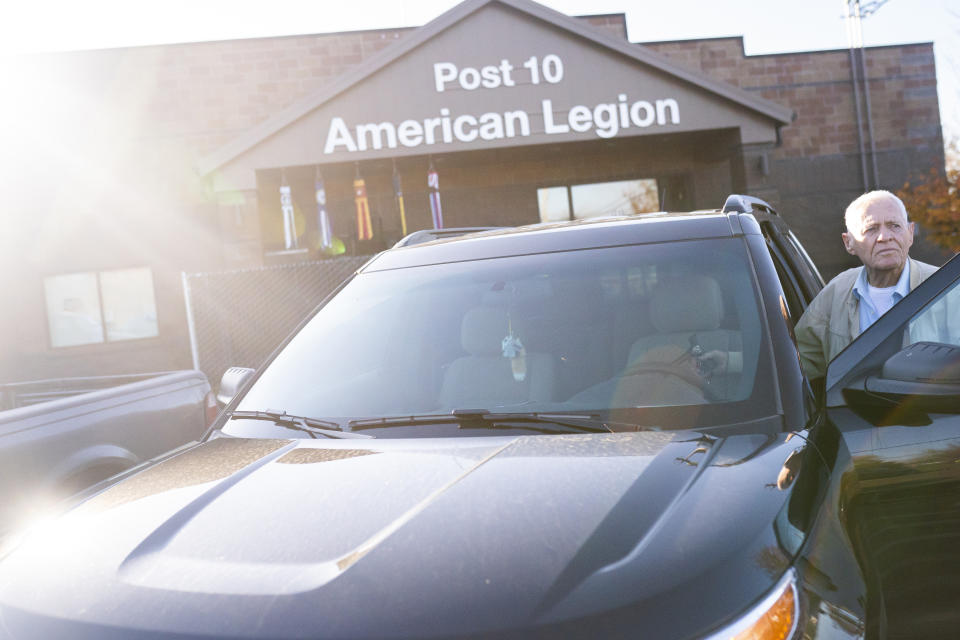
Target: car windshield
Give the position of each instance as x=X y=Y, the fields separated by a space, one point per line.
x=664 y=335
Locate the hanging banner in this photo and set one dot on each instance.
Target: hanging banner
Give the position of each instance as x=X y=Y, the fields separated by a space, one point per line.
x=289 y=221
x=323 y=220
x=433 y=186
x=364 y=228
x=398 y=192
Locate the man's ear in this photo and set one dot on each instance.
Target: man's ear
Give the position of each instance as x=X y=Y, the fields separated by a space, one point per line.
x=912 y=226
x=848 y=243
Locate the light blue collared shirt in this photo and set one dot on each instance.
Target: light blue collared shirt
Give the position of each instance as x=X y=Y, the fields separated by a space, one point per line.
x=868 y=313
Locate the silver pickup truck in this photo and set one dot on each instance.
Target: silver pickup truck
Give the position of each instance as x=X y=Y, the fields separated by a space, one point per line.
x=61 y=437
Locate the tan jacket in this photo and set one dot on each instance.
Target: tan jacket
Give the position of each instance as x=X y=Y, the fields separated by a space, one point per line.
x=832 y=320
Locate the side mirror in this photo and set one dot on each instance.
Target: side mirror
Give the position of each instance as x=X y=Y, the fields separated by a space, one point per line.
x=232 y=382
x=924 y=374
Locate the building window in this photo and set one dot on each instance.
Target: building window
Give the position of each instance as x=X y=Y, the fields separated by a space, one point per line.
x=577 y=202
x=105 y=306
x=554 y=203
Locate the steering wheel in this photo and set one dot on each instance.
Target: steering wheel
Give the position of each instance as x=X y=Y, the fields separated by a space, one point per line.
x=680 y=369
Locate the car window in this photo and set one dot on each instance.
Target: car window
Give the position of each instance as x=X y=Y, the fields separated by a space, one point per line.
x=791 y=288
x=806 y=269
x=629 y=332
x=794 y=262
x=939 y=321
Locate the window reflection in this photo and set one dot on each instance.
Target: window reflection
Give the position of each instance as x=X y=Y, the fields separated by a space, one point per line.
x=91 y=308
x=624 y=198
x=128 y=304
x=940 y=320
x=73 y=309
x=554 y=203
x=621 y=198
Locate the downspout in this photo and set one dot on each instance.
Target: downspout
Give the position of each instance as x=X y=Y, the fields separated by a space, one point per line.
x=866 y=99
x=856 y=97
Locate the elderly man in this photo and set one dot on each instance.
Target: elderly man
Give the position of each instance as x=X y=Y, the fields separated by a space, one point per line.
x=880 y=235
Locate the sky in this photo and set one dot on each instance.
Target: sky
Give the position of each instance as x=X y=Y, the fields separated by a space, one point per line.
x=767 y=26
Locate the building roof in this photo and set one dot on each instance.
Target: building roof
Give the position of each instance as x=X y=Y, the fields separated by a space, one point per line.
x=779 y=114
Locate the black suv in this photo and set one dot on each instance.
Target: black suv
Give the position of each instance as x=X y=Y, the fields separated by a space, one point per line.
x=596 y=428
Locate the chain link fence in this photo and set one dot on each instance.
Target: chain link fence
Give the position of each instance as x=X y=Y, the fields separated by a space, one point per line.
x=237 y=318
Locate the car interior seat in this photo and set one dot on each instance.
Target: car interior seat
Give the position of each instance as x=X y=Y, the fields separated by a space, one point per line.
x=486 y=377
x=688 y=311
x=575 y=325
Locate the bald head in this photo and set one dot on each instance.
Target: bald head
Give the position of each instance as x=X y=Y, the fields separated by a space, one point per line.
x=856 y=209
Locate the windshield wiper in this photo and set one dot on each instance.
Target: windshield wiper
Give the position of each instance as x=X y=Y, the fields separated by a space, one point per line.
x=402 y=421
x=484 y=419
x=311 y=426
x=574 y=422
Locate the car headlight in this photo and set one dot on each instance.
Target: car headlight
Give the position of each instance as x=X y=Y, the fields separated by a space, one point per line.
x=774 y=618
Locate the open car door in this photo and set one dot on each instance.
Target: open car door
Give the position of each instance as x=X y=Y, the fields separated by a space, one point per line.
x=893 y=401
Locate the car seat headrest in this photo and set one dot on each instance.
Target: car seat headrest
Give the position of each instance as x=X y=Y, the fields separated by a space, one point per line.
x=688 y=303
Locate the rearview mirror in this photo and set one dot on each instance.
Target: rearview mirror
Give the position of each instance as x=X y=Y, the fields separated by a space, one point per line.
x=232 y=382
x=925 y=374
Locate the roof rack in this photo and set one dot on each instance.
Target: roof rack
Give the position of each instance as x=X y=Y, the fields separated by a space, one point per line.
x=426 y=235
x=746 y=204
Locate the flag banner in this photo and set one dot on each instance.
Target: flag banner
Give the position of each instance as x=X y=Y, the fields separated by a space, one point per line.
x=433 y=184
x=364 y=228
x=289 y=221
x=398 y=191
x=323 y=220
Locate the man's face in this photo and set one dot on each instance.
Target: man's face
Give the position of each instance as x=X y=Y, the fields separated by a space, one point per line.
x=882 y=238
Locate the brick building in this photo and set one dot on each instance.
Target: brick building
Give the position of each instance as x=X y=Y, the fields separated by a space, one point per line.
x=170 y=158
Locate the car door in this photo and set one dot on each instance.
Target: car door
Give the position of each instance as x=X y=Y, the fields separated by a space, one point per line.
x=893 y=400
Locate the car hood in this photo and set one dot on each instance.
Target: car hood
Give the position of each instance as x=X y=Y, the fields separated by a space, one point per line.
x=431 y=537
